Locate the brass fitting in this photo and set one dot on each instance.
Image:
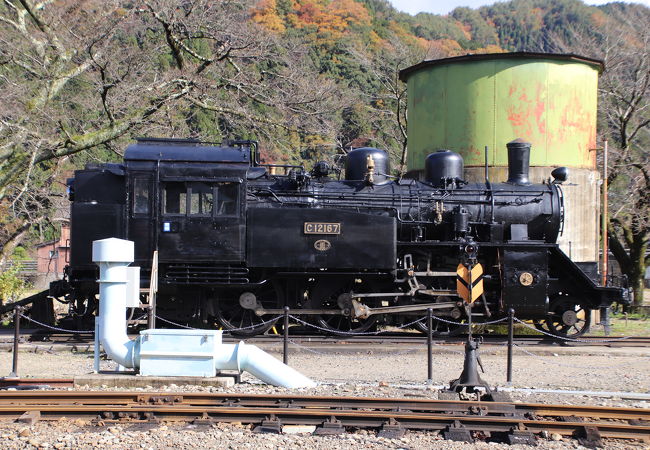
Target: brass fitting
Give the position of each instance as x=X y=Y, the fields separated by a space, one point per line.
x=370 y=173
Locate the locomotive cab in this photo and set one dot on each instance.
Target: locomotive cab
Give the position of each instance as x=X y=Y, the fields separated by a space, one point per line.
x=195 y=195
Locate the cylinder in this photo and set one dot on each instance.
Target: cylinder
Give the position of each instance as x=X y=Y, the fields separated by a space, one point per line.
x=443 y=165
x=518 y=161
x=461 y=220
x=356 y=165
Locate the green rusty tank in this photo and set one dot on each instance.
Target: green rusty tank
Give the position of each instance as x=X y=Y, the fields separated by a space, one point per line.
x=466 y=103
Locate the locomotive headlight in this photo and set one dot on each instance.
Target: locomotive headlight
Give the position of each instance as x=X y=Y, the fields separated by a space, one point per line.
x=560 y=175
x=470 y=249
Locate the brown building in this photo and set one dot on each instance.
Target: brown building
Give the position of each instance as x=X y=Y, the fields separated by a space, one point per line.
x=53 y=256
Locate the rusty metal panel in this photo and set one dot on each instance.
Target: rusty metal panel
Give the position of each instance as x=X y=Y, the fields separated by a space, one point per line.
x=467 y=105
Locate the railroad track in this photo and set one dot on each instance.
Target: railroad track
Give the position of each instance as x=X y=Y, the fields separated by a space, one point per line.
x=392 y=338
x=36 y=383
x=459 y=420
x=417 y=339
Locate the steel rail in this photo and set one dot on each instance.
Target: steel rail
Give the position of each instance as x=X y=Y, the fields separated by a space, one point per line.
x=420 y=414
x=386 y=337
x=35 y=383
x=350 y=418
x=199 y=398
x=412 y=338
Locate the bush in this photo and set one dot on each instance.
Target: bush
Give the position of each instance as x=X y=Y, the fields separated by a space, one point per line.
x=11 y=285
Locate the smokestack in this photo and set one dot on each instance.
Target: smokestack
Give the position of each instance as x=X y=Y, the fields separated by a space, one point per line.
x=518 y=161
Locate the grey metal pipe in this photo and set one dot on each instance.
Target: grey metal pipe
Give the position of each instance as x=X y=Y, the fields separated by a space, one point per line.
x=257 y=362
x=113 y=256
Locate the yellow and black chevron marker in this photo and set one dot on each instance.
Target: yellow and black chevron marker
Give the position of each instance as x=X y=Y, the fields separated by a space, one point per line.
x=469 y=281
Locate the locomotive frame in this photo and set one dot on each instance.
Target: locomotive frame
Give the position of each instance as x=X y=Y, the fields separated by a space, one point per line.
x=236 y=244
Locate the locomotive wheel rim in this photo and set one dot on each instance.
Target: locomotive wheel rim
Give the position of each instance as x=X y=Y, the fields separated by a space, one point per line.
x=326 y=293
x=441 y=328
x=540 y=324
x=232 y=317
x=568 y=318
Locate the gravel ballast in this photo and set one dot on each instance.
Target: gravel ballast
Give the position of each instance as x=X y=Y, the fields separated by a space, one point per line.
x=67 y=434
x=368 y=372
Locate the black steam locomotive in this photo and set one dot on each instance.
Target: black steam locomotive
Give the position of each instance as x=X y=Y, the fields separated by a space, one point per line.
x=236 y=243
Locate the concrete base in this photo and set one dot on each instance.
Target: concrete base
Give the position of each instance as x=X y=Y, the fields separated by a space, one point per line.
x=129 y=380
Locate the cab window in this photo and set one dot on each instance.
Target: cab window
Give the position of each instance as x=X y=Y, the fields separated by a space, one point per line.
x=140 y=196
x=227 y=199
x=201 y=199
x=175 y=198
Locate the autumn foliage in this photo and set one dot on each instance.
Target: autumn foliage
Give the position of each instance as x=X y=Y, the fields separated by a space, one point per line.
x=326 y=17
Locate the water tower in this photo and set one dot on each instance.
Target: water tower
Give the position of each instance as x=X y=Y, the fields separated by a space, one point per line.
x=468 y=102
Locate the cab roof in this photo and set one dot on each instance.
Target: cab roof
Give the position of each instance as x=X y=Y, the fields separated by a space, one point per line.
x=190 y=150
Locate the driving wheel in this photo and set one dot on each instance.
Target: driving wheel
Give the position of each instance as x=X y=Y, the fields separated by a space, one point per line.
x=245 y=322
x=568 y=318
x=440 y=328
x=330 y=294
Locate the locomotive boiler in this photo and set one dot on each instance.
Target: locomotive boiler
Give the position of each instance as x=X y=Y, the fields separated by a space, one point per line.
x=348 y=249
